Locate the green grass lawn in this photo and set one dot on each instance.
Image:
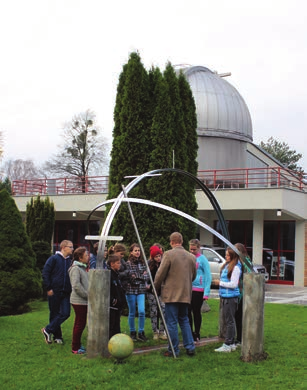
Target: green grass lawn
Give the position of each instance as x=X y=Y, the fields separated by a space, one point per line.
x=27 y=362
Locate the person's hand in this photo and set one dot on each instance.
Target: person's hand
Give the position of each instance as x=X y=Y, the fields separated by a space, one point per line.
x=205 y=298
x=50 y=293
x=216 y=282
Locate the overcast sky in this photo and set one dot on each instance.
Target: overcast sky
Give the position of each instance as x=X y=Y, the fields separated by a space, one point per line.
x=61 y=57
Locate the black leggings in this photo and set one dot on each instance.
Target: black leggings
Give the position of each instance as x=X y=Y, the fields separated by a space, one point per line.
x=195 y=308
x=114 y=322
x=238 y=318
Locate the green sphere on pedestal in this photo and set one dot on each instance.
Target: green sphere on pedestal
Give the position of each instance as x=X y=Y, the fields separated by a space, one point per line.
x=120 y=346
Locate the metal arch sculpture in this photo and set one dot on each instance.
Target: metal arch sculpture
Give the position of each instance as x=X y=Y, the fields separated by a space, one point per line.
x=175 y=211
x=133 y=183
x=117 y=202
x=123 y=197
x=247 y=264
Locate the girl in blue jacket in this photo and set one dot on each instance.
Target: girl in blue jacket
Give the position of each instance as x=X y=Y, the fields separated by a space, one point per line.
x=229 y=295
x=200 y=288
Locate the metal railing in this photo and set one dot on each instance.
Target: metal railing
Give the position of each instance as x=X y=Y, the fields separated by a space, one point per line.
x=273 y=177
x=61 y=186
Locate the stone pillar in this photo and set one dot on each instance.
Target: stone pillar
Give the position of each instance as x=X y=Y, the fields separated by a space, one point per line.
x=258 y=236
x=206 y=237
x=98 y=313
x=300 y=269
x=253 y=318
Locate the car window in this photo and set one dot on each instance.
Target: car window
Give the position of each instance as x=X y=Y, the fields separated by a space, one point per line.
x=212 y=257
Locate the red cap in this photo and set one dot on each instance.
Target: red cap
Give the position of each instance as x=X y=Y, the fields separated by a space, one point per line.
x=154 y=251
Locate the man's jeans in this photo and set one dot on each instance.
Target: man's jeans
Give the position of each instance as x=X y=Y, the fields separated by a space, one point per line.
x=59 y=308
x=132 y=300
x=177 y=313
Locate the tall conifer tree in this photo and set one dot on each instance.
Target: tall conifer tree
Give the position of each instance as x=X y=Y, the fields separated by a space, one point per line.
x=160 y=157
x=191 y=147
x=166 y=126
x=131 y=142
x=181 y=190
x=117 y=147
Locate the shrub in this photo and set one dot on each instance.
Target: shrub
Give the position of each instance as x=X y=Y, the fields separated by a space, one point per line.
x=20 y=279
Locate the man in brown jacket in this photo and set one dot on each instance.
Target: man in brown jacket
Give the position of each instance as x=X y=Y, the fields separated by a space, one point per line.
x=175 y=275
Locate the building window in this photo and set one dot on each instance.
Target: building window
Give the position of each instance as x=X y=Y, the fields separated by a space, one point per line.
x=239 y=231
x=74 y=231
x=279 y=245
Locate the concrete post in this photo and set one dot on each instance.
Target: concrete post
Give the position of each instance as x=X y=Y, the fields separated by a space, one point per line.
x=253 y=318
x=258 y=236
x=98 y=313
x=300 y=277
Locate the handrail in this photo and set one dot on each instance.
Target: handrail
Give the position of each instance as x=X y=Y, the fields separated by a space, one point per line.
x=235 y=178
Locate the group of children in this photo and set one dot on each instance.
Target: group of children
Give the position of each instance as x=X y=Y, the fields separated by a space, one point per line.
x=131 y=283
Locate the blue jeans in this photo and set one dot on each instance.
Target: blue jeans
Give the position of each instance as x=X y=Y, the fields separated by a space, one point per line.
x=177 y=313
x=59 y=308
x=132 y=300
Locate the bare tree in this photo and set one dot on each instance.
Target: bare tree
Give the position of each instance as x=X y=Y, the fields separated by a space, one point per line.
x=83 y=151
x=20 y=170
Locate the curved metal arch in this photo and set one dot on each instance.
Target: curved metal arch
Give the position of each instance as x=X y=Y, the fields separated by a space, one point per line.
x=184 y=215
x=175 y=211
x=133 y=183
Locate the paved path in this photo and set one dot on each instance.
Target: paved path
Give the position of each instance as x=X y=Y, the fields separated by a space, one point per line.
x=201 y=343
x=279 y=294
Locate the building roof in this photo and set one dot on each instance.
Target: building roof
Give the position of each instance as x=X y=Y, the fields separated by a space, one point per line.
x=221 y=110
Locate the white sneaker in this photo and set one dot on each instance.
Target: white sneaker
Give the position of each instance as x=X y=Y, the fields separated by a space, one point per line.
x=162 y=335
x=156 y=336
x=233 y=347
x=223 y=348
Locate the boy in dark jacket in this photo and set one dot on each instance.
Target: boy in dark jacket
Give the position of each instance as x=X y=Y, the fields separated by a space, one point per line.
x=57 y=283
x=117 y=295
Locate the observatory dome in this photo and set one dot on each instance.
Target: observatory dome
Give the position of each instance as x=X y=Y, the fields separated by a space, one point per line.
x=221 y=110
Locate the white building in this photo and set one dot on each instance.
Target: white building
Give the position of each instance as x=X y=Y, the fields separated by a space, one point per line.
x=265 y=205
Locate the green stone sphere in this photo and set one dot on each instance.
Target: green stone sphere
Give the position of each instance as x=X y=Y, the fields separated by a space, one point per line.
x=120 y=346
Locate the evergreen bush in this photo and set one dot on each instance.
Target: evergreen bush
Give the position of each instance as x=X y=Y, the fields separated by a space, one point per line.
x=40 y=216
x=20 y=279
x=42 y=250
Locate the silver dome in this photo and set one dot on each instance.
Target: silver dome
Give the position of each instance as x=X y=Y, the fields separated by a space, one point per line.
x=221 y=110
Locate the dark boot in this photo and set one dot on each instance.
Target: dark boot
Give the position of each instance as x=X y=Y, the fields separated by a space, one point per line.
x=142 y=337
x=133 y=336
x=196 y=337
